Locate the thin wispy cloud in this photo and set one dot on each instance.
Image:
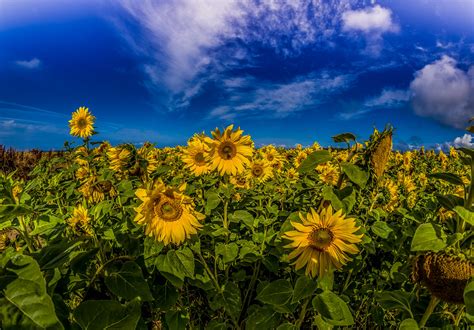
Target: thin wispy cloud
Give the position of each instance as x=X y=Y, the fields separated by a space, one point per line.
x=34 y=63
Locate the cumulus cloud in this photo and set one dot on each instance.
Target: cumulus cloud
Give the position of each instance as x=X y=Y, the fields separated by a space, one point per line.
x=31 y=64
x=373 y=22
x=463 y=141
x=444 y=92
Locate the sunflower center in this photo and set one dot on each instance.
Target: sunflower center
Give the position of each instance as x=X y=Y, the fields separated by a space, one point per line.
x=168 y=210
x=199 y=158
x=82 y=123
x=241 y=181
x=257 y=170
x=321 y=238
x=270 y=157
x=227 y=150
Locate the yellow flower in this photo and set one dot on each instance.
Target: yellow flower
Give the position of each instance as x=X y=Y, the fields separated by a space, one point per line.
x=292 y=175
x=80 y=219
x=82 y=122
x=119 y=158
x=300 y=157
x=260 y=171
x=167 y=214
x=229 y=151
x=321 y=242
x=328 y=173
x=194 y=156
x=240 y=181
x=444 y=214
x=389 y=195
x=453 y=153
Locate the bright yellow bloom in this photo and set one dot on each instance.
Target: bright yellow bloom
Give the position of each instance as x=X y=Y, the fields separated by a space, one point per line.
x=328 y=173
x=82 y=122
x=80 y=219
x=229 y=151
x=119 y=158
x=240 y=181
x=167 y=214
x=292 y=175
x=260 y=171
x=194 y=156
x=300 y=157
x=321 y=242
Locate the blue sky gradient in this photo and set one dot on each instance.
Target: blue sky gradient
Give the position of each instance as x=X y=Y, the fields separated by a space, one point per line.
x=287 y=72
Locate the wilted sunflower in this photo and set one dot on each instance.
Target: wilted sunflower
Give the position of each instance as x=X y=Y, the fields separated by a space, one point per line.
x=229 y=151
x=378 y=151
x=322 y=240
x=167 y=214
x=260 y=171
x=194 y=156
x=444 y=275
x=82 y=123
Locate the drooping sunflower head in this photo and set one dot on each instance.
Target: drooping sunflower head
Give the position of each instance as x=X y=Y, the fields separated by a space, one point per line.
x=321 y=241
x=444 y=275
x=230 y=151
x=167 y=214
x=378 y=151
x=195 y=156
x=82 y=122
x=120 y=158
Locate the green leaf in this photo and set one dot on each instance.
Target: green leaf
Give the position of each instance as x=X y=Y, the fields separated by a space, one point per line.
x=27 y=292
x=10 y=211
x=449 y=201
x=465 y=214
x=244 y=216
x=329 y=195
x=408 y=324
x=344 y=137
x=128 y=282
x=381 y=229
x=152 y=248
x=230 y=300
x=176 y=320
x=394 y=300
x=177 y=263
x=469 y=298
x=304 y=287
x=228 y=251
x=276 y=293
x=355 y=174
x=107 y=314
x=448 y=177
x=428 y=237
x=168 y=296
x=287 y=326
x=313 y=160
x=261 y=318
x=333 y=309
x=212 y=201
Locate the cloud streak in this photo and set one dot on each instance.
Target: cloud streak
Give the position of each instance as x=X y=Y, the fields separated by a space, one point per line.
x=31 y=64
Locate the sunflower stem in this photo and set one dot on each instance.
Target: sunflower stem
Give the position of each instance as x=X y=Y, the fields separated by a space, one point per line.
x=429 y=310
x=26 y=235
x=302 y=313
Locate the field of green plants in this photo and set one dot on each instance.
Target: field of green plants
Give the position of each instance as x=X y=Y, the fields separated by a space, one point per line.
x=220 y=234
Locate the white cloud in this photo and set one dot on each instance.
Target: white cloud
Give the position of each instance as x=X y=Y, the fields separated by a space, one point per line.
x=31 y=64
x=444 y=92
x=463 y=141
x=280 y=100
x=373 y=22
x=369 y=20
x=389 y=98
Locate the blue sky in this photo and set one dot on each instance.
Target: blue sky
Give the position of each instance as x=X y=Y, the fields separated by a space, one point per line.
x=286 y=72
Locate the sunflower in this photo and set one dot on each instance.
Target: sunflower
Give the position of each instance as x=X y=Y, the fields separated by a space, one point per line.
x=321 y=241
x=389 y=195
x=82 y=123
x=300 y=157
x=260 y=171
x=80 y=219
x=194 y=156
x=292 y=175
x=167 y=214
x=379 y=150
x=240 y=181
x=119 y=158
x=328 y=173
x=229 y=151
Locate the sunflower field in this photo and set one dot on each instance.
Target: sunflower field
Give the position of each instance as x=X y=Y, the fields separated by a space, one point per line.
x=220 y=234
